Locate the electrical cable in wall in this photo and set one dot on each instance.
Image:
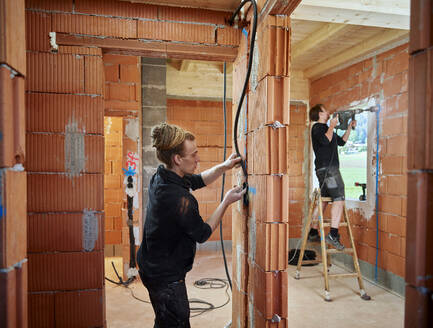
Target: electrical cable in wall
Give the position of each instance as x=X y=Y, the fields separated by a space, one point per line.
x=247 y=78
x=224 y=175
x=377 y=190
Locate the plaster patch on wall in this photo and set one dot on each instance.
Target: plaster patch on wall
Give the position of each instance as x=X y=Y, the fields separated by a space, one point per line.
x=107 y=125
x=251 y=313
x=90 y=230
x=132 y=129
x=255 y=67
x=252 y=239
x=238 y=262
x=75 y=158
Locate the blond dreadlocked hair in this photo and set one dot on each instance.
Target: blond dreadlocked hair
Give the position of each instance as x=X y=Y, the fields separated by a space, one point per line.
x=168 y=140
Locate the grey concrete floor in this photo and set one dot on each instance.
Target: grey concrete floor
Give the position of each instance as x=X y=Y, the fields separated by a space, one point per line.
x=306 y=305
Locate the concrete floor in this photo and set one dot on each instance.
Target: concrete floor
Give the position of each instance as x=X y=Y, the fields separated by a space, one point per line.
x=306 y=305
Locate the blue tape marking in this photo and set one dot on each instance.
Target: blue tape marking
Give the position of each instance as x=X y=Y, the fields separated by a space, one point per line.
x=129 y=172
x=252 y=190
x=245 y=32
x=2 y=211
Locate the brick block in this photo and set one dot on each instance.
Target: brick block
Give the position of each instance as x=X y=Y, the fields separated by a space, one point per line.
x=38 y=26
x=68 y=271
x=272 y=246
x=269 y=201
x=55 y=73
x=112 y=73
x=274 y=50
x=95 y=25
x=41 y=310
x=80 y=308
x=52 y=192
x=399 y=63
x=8 y=315
x=420 y=146
x=392 y=164
x=93 y=75
x=72 y=153
x=168 y=31
x=270 y=150
x=419 y=245
x=421 y=33
x=53 y=112
x=192 y=15
x=418 y=304
x=21 y=294
x=13 y=232
x=116 y=8
x=113 y=237
x=228 y=36
x=69 y=232
x=113 y=209
x=12 y=121
x=130 y=73
x=12 y=35
x=268 y=291
x=396 y=145
x=269 y=102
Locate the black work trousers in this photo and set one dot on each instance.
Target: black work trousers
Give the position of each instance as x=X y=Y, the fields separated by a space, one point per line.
x=170 y=304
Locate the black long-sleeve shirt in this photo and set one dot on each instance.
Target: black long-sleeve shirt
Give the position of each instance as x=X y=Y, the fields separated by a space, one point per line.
x=172 y=228
x=325 y=151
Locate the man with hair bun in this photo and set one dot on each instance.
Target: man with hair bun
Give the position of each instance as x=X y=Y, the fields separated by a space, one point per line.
x=173 y=224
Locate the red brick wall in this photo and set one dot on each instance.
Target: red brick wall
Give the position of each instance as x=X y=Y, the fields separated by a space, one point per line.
x=113 y=186
x=261 y=231
x=384 y=77
x=206 y=121
x=123 y=99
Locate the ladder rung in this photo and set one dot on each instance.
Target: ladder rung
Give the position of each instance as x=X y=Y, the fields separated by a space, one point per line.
x=326 y=199
x=342 y=275
x=311 y=261
x=328 y=224
x=336 y=251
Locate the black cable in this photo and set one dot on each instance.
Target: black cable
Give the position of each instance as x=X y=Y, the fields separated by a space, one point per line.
x=250 y=61
x=224 y=178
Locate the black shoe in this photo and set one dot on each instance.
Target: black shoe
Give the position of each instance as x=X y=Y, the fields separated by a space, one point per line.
x=314 y=238
x=335 y=242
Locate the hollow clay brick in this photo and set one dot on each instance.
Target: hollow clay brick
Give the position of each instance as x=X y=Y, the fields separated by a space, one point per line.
x=13 y=222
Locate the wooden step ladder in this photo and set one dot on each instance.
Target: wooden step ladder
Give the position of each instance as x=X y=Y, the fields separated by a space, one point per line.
x=317 y=200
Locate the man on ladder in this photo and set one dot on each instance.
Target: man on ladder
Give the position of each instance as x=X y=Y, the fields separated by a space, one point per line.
x=325 y=142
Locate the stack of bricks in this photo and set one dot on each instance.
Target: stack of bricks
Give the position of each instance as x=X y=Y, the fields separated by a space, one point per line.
x=419 y=264
x=385 y=78
x=205 y=120
x=260 y=235
x=13 y=186
x=122 y=103
x=113 y=191
x=65 y=181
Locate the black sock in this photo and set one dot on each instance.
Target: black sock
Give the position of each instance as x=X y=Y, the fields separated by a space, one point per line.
x=334 y=232
x=313 y=232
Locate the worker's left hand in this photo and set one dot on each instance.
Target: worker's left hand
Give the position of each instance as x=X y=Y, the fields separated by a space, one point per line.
x=353 y=123
x=232 y=161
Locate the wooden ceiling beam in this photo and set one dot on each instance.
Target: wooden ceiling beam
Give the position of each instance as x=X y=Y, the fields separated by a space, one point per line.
x=324 y=34
x=363 y=48
x=379 y=13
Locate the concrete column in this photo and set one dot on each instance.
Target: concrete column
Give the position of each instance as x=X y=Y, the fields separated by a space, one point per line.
x=154 y=109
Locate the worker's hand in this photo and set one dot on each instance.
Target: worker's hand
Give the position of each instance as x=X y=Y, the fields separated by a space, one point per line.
x=333 y=123
x=234 y=195
x=353 y=124
x=232 y=161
